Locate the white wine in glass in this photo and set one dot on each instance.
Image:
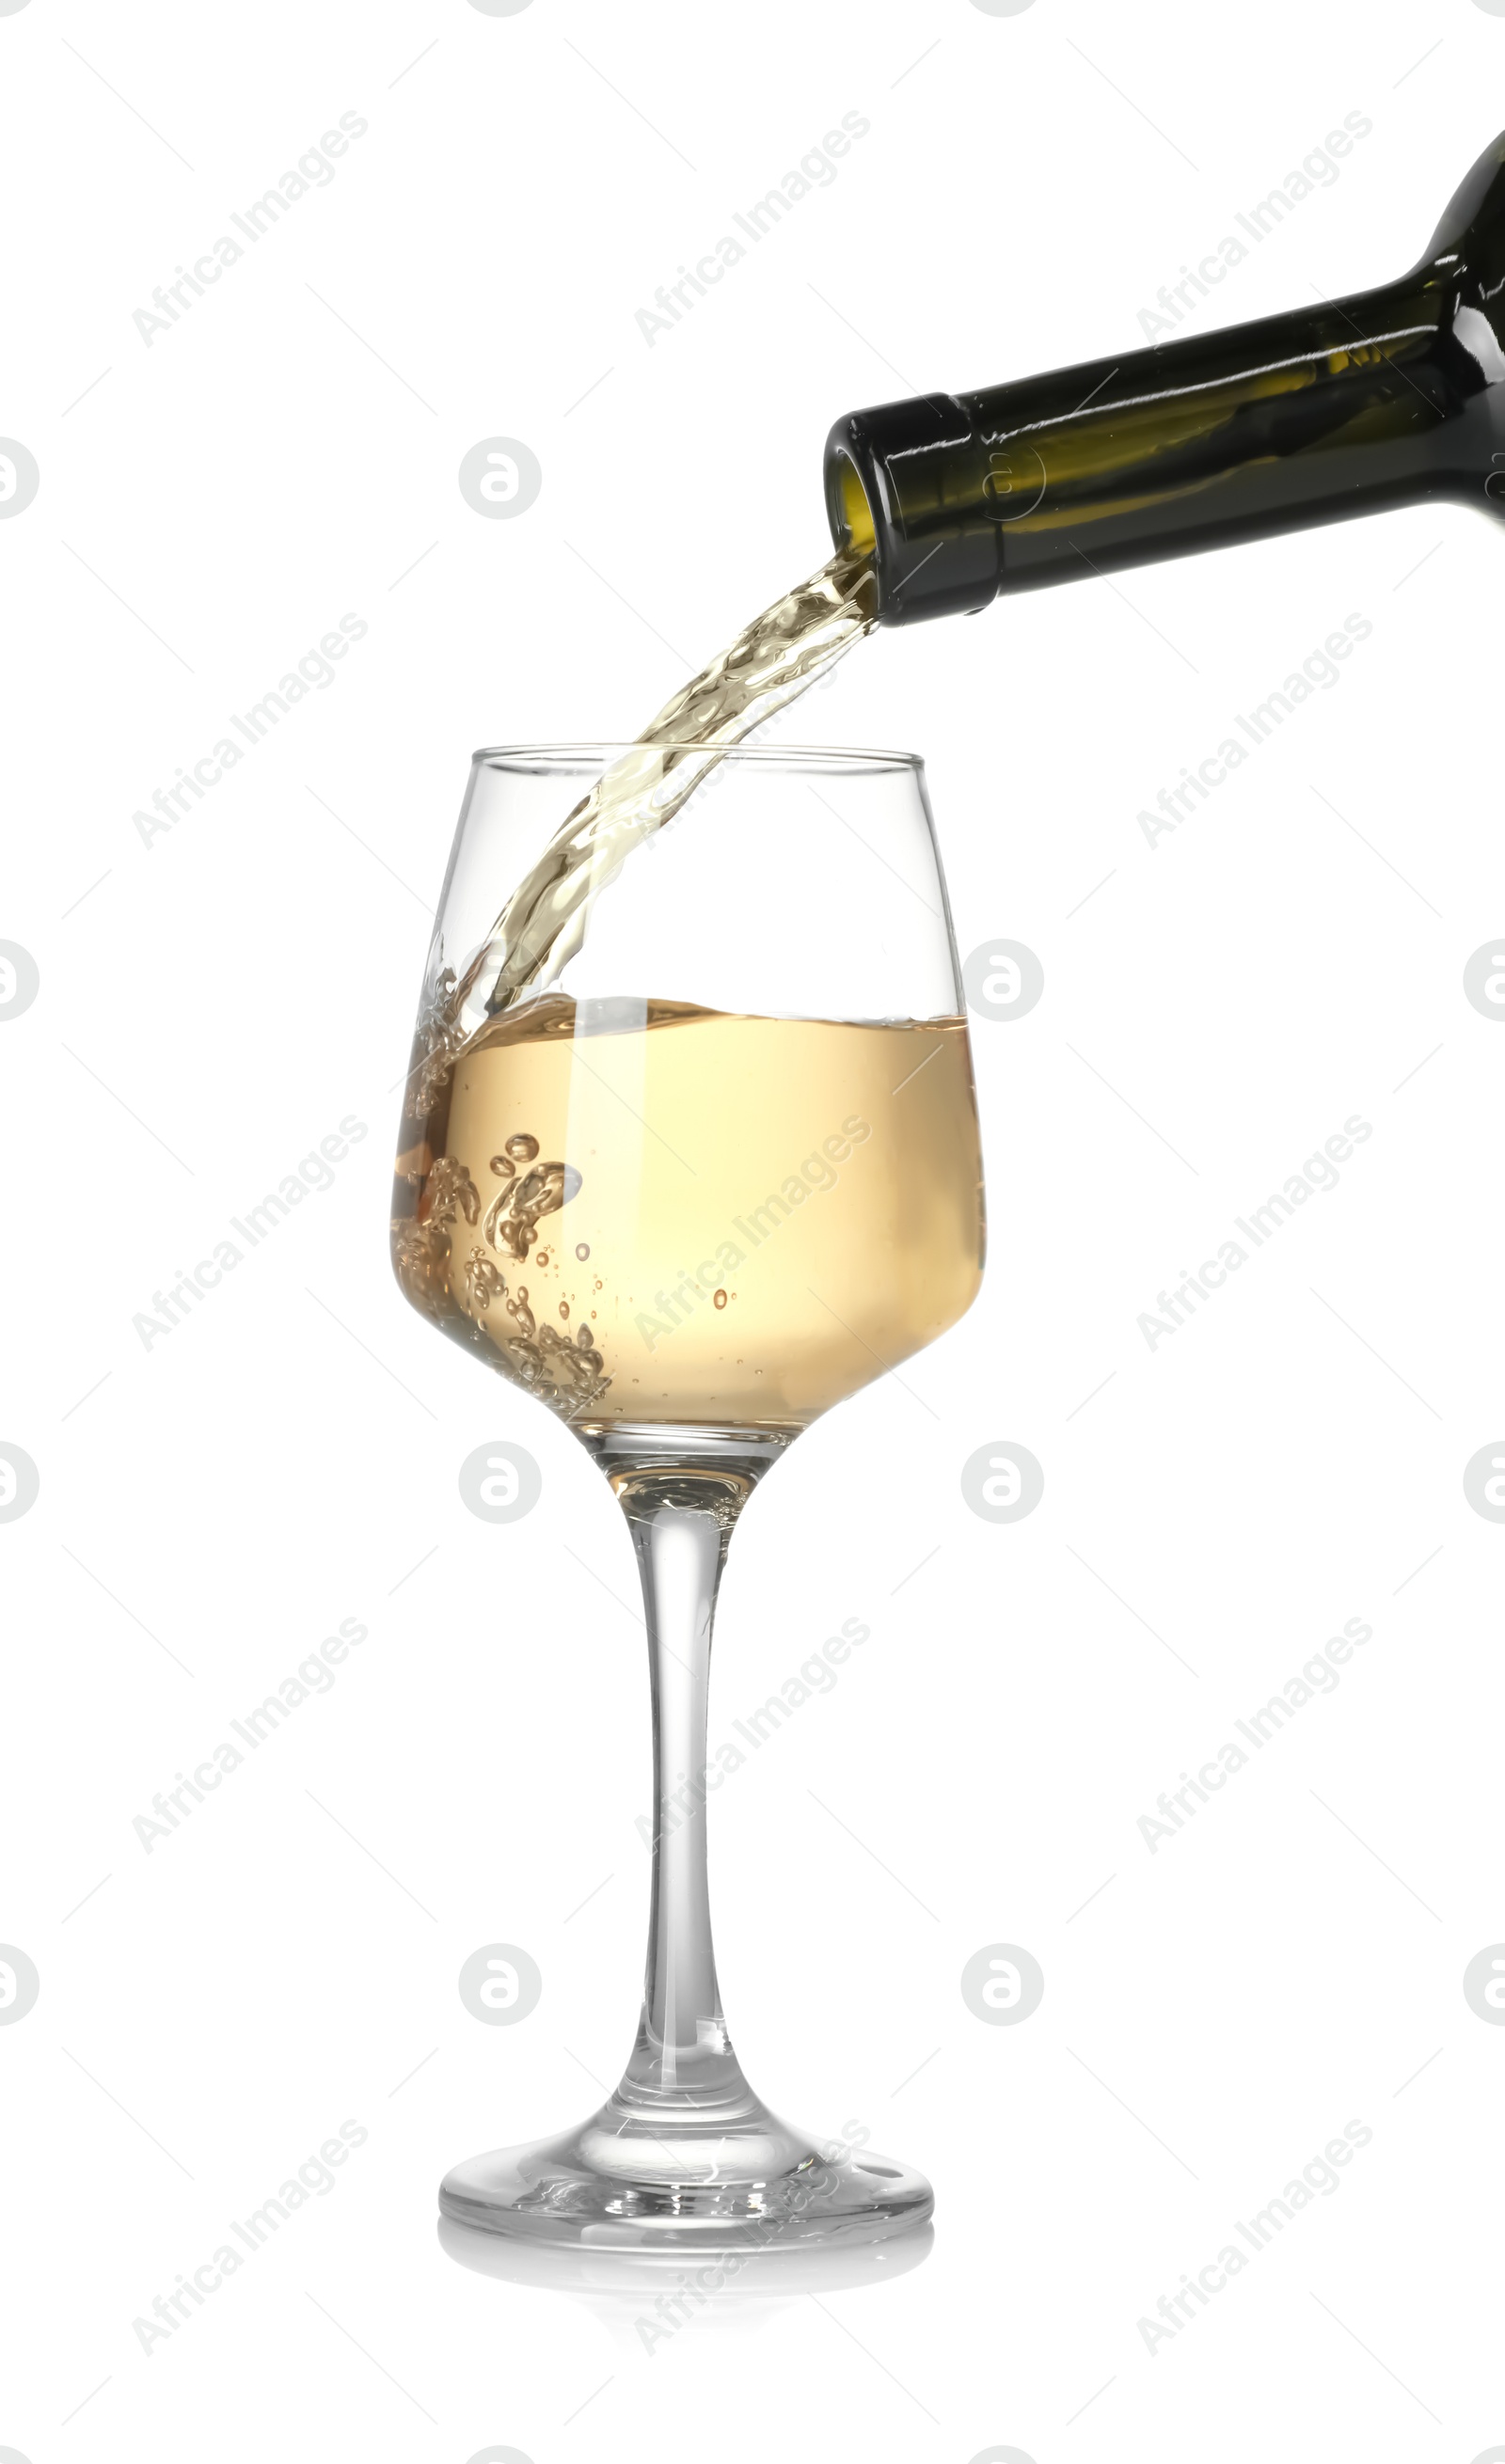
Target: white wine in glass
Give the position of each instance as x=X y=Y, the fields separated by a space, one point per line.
x=708 y=1168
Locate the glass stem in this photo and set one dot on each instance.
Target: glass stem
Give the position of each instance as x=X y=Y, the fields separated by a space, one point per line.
x=681 y=1553
x=682 y=1513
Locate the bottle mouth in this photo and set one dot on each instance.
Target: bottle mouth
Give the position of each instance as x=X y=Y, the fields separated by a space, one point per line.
x=900 y=479
x=587 y=760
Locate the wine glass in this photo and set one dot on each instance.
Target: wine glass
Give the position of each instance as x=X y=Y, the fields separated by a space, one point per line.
x=711 y=1168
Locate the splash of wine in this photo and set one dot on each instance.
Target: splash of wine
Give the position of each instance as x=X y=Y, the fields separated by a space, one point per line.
x=772 y=661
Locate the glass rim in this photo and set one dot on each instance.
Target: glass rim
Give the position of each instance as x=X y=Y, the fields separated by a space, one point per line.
x=829 y=758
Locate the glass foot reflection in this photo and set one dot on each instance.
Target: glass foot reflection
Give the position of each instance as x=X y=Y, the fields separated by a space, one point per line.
x=611 y=2282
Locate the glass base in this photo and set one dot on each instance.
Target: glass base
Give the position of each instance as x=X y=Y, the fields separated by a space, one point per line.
x=690 y=2183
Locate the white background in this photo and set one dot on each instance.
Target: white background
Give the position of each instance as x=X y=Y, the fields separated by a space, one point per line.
x=213 y=1004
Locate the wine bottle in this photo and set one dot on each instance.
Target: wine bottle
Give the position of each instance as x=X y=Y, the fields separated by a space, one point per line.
x=1347 y=406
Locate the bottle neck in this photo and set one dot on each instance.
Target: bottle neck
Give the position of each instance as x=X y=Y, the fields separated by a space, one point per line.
x=1350 y=407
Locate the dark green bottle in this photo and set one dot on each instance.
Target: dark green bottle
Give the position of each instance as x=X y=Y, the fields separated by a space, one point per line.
x=1350 y=407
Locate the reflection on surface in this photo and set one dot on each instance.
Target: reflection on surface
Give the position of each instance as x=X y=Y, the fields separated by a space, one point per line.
x=646 y=2298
